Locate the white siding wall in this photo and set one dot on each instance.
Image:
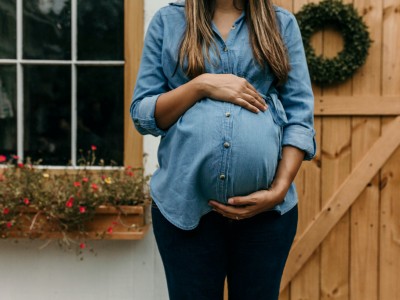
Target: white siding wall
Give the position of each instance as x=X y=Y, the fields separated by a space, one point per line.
x=122 y=270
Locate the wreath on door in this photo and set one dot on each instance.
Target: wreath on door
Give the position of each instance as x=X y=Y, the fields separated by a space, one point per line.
x=313 y=18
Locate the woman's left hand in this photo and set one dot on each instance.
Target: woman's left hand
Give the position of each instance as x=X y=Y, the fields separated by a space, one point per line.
x=248 y=206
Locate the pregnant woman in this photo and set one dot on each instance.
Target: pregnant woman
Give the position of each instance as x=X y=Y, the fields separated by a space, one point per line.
x=225 y=84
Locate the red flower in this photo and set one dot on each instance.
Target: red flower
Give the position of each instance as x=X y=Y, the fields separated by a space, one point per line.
x=103 y=177
x=82 y=245
x=129 y=167
x=94 y=148
x=9 y=224
x=70 y=202
x=82 y=209
x=110 y=230
x=129 y=173
x=94 y=187
x=20 y=165
x=77 y=184
x=2 y=158
x=85 y=179
x=6 y=211
x=16 y=157
x=26 y=201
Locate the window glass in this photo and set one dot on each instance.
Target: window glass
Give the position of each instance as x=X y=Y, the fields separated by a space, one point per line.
x=8 y=112
x=47 y=29
x=8 y=27
x=101 y=111
x=47 y=114
x=46 y=88
x=101 y=29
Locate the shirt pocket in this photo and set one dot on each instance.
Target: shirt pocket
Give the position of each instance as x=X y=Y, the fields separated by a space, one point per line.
x=278 y=114
x=249 y=68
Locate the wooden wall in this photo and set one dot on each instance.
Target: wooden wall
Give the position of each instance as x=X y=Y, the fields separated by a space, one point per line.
x=348 y=241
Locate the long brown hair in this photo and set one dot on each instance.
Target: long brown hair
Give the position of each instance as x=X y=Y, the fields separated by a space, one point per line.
x=265 y=39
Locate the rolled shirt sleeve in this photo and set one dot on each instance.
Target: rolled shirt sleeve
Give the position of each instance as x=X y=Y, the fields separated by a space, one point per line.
x=297 y=96
x=151 y=81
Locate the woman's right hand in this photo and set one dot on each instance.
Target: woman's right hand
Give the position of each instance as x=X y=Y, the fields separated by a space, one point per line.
x=233 y=89
x=222 y=87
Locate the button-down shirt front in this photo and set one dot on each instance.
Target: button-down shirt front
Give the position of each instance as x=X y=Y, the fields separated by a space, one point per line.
x=216 y=149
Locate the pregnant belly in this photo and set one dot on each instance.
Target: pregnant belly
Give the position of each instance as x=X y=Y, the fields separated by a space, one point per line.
x=255 y=152
x=243 y=147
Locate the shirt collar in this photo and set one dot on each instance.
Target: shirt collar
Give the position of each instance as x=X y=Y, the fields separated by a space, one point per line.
x=182 y=4
x=178 y=3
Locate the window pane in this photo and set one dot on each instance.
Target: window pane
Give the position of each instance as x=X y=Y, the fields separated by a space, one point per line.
x=47 y=29
x=47 y=113
x=101 y=29
x=8 y=112
x=101 y=111
x=8 y=28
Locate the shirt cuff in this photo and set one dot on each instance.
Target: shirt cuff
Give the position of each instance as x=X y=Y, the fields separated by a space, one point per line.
x=301 y=138
x=143 y=117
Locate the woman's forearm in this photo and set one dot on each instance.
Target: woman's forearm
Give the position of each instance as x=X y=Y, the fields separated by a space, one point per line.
x=173 y=104
x=222 y=87
x=288 y=167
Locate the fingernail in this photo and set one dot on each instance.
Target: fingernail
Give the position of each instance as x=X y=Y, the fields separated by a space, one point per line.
x=230 y=201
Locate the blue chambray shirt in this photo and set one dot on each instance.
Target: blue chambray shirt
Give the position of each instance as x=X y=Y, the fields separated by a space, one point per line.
x=216 y=149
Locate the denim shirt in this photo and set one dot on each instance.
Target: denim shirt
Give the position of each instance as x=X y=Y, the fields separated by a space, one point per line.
x=216 y=149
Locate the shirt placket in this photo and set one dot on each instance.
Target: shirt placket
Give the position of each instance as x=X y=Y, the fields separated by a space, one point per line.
x=227 y=121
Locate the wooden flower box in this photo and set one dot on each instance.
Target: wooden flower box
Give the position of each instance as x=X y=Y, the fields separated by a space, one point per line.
x=110 y=223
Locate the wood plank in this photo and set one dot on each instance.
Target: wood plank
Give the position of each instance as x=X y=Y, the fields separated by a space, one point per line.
x=342 y=199
x=389 y=248
x=389 y=287
x=285 y=294
x=335 y=160
x=134 y=32
x=364 y=213
x=133 y=234
x=305 y=285
x=364 y=218
x=285 y=4
x=336 y=166
x=226 y=295
x=357 y=105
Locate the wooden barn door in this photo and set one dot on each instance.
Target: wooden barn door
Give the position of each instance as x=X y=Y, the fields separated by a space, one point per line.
x=348 y=242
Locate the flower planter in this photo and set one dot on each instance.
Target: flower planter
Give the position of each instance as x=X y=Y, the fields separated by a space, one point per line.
x=72 y=204
x=108 y=222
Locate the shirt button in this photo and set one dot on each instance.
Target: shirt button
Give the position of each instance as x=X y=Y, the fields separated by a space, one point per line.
x=233 y=27
x=226 y=49
x=227 y=114
x=222 y=177
x=227 y=145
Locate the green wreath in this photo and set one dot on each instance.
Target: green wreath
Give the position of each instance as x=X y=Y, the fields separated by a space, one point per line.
x=314 y=17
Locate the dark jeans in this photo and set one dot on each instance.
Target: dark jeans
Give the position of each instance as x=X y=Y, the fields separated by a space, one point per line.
x=250 y=252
